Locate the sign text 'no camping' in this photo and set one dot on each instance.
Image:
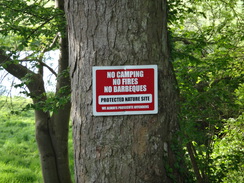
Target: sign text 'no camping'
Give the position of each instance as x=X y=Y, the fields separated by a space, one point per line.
x=124 y=90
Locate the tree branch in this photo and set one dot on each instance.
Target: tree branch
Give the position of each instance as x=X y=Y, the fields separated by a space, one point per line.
x=48 y=67
x=194 y=162
x=48 y=49
x=35 y=85
x=41 y=55
x=16 y=70
x=187 y=41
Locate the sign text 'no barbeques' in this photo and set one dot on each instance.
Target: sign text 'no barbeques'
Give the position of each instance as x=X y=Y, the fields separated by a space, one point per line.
x=124 y=90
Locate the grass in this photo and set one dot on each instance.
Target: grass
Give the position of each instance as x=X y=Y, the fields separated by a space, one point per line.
x=19 y=158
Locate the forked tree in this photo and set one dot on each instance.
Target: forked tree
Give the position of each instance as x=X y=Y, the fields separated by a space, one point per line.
x=51 y=127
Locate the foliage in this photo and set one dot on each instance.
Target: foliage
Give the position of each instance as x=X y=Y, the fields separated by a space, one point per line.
x=228 y=151
x=207 y=49
x=28 y=30
x=19 y=159
x=31 y=24
x=207 y=53
x=53 y=101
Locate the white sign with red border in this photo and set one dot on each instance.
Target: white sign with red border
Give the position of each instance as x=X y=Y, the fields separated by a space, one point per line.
x=125 y=90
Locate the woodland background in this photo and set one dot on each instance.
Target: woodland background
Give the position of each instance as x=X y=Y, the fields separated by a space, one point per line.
x=207 y=51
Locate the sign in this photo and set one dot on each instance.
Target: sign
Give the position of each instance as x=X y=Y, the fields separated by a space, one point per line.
x=123 y=90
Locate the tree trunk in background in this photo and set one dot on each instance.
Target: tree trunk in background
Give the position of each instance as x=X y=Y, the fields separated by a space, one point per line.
x=59 y=125
x=56 y=126
x=51 y=130
x=116 y=149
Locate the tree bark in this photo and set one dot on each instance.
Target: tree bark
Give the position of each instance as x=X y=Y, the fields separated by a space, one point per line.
x=191 y=150
x=59 y=126
x=135 y=148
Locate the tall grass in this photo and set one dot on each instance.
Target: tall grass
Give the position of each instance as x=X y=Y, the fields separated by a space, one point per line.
x=19 y=158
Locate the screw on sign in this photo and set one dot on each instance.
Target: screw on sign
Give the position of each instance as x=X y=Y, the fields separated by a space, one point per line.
x=124 y=90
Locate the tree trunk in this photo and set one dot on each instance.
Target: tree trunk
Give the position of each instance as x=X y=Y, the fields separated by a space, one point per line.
x=59 y=125
x=135 y=148
x=52 y=131
x=195 y=167
x=56 y=128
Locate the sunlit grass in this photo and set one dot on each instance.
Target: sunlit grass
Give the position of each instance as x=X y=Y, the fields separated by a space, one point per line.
x=19 y=158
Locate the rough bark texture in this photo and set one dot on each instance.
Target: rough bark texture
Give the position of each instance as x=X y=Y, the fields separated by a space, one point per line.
x=59 y=126
x=52 y=131
x=136 y=148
